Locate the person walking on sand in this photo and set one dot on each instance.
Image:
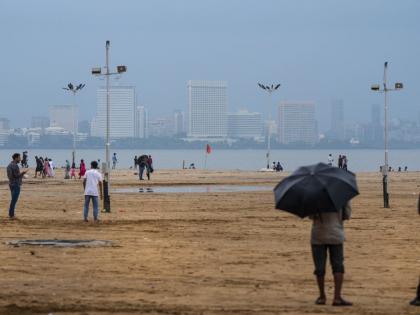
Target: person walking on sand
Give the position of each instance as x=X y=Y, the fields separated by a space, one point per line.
x=51 y=172
x=82 y=169
x=328 y=235
x=67 y=170
x=14 y=174
x=92 y=184
x=114 y=161
x=46 y=167
x=416 y=300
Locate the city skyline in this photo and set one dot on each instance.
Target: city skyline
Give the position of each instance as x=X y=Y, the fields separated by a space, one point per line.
x=253 y=44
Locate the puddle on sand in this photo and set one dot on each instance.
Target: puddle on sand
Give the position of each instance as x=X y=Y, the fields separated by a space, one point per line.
x=60 y=243
x=193 y=189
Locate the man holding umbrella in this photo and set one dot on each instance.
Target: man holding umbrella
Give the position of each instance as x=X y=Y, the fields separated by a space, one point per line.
x=328 y=235
x=321 y=192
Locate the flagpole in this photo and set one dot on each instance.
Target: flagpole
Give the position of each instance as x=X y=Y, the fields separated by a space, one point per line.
x=208 y=150
x=205 y=161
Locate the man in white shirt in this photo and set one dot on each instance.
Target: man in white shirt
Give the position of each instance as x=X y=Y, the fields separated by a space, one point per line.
x=330 y=160
x=92 y=183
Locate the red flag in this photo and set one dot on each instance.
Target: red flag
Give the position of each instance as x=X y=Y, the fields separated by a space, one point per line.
x=208 y=149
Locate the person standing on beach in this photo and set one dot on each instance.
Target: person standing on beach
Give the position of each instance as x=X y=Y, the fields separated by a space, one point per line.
x=150 y=164
x=416 y=300
x=24 y=161
x=340 y=161
x=345 y=161
x=328 y=235
x=92 y=184
x=330 y=160
x=114 y=161
x=39 y=166
x=82 y=169
x=143 y=165
x=15 y=181
x=73 y=171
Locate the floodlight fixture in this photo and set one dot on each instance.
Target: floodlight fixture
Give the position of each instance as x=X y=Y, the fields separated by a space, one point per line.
x=121 y=69
x=96 y=71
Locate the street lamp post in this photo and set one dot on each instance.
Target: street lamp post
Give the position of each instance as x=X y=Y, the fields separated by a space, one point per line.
x=270 y=90
x=107 y=169
x=385 y=168
x=74 y=89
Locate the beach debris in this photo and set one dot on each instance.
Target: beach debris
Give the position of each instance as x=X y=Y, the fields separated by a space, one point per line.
x=60 y=243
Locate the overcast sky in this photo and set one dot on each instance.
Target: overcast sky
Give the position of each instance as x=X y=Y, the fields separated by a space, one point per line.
x=317 y=50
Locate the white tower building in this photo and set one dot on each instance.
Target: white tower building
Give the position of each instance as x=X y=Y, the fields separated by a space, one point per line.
x=122 y=108
x=296 y=123
x=141 y=123
x=207 y=109
x=244 y=124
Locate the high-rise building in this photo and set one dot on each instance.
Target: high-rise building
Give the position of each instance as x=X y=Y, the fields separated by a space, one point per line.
x=141 y=123
x=337 y=120
x=4 y=124
x=4 y=130
x=122 y=101
x=375 y=115
x=84 y=127
x=244 y=124
x=376 y=132
x=40 y=122
x=64 y=116
x=207 y=107
x=161 y=127
x=296 y=123
x=179 y=122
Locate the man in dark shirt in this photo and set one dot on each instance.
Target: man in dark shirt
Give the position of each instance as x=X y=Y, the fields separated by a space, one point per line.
x=416 y=300
x=15 y=181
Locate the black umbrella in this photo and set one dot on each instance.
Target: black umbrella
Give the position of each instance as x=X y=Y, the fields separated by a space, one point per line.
x=315 y=189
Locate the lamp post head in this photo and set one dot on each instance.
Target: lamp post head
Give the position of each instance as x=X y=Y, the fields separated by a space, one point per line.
x=375 y=87
x=96 y=71
x=80 y=86
x=261 y=86
x=398 y=86
x=121 y=69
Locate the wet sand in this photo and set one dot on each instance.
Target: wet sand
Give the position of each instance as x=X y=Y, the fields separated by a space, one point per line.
x=202 y=253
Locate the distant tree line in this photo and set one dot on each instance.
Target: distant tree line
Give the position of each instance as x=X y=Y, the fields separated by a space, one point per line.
x=66 y=142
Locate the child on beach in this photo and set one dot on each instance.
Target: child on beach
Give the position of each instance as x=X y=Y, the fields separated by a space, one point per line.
x=73 y=171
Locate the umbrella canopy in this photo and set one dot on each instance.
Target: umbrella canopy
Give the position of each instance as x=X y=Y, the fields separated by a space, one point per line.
x=315 y=189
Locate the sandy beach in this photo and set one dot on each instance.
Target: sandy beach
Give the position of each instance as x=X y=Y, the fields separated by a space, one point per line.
x=202 y=253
